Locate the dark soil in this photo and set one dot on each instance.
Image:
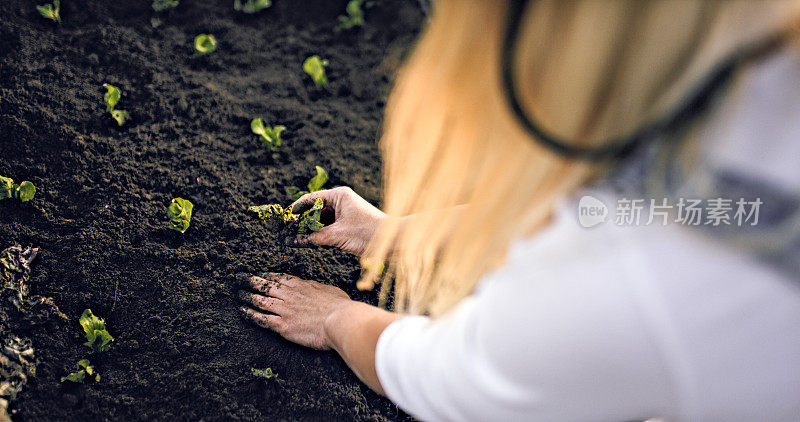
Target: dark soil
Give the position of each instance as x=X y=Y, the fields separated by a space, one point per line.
x=182 y=350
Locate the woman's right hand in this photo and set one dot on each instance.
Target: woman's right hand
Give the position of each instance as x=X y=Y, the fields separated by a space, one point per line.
x=355 y=221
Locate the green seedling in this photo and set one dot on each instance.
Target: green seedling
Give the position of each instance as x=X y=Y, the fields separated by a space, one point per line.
x=24 y=191
x=111 y=99
x=180 y=214
x=309 y=220
x=204 y=44
x=273 y=210
x=263 y=373
x=120 y=116
x=270 y=135
x=97 y=337
x=161 y=5
x=354 y=17
x=314 y=185
x=306 y=222
x=85 y=369
x=251 y=6
x=314 y=66
x=51 y=11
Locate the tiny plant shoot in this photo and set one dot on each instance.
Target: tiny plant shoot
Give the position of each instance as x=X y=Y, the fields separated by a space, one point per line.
x=85 y=369
x=51 y=11
x=251 y=6
x=180 y=214
x=162 y=5
x=24 y=191
x=307 y=222
x=204 y=44
x=314 y=66
x=111 y=99
x=263 y=373
x=97 y=337
x=314 y=185
x=270 y=135
x=354 y=17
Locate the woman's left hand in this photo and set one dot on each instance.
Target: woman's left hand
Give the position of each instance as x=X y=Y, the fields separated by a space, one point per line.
x=294 y=308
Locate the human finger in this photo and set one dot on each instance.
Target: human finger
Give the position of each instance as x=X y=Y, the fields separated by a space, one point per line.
x=261 y=319
x=263 y=303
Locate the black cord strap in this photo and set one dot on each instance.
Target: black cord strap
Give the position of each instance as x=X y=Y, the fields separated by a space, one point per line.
x=690 y=107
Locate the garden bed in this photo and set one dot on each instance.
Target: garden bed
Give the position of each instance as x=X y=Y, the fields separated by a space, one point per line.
x=182 y=351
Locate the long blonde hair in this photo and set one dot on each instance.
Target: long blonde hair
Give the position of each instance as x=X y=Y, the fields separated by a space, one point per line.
x=588 y=70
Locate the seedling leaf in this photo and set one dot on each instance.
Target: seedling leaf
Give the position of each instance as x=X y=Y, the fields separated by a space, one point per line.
x=294 y=192
x=180 y=214
x=84 y=368
x=318 y=180
x=120 y=116
x=161 y=5
x=51 y=11
x=25 y=191
x=111 y=97
x=354 y=17
x=97 y=337
x=204 y=44
x=314 y=185
x=308 y=221
x=7 y=188
x=264 y=373
x=267 y=211
x=251 y=6
x=270 y=135
x=314 y=66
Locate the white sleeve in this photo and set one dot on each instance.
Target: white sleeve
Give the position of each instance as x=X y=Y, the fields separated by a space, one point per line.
x=570 y=344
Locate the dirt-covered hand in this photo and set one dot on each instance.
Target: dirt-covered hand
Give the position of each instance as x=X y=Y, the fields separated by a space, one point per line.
x=355 y=221
x=293 y=307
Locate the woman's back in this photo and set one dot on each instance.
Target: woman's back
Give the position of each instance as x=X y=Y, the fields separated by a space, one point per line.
x=653 y=320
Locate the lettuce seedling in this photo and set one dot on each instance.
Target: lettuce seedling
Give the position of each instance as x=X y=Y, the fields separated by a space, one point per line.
x=314 y=66
x=180 y=214
x=314 y=185
x=111 y=99
x=263 y=373
x=120 y=116
x=7 y=188
x=51 y=11
x=161 y=5
x=308 y=221
x=251 y=6
x=204 y=44
x=273 y=210
x=24 y=191
x=270 y=135
x=97 y=337
x=355 y=16
x=85 y=369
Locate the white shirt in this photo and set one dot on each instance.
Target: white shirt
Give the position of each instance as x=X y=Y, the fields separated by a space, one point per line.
x=621 y=323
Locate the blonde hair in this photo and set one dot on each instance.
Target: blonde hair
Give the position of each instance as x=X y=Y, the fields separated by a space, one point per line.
x=587 y=70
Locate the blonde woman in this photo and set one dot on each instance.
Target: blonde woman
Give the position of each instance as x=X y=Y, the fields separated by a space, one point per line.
x=506 y=115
